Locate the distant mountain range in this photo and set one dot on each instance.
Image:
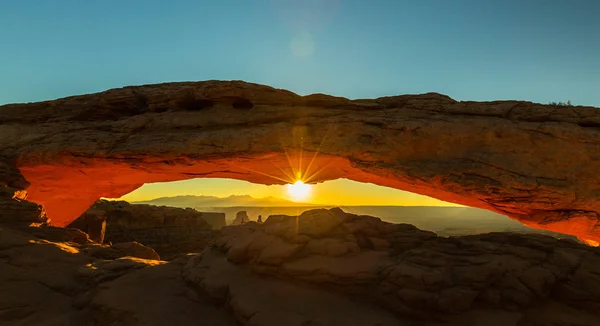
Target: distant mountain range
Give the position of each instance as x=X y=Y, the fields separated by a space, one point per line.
x=212 y=201
x=444 y=220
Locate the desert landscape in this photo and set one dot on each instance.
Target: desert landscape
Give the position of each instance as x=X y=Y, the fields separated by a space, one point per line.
x=118 y=263
x=444 y=220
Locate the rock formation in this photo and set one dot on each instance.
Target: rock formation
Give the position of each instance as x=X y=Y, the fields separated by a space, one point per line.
x=470 y=280
x=241 y=217
x=170 y=231
x=92 y=222
x=15 y=210
x=215 y=220
x=324 y=267
x=532 y=162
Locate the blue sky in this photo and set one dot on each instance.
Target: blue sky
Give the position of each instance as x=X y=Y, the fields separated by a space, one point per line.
x=538 y=50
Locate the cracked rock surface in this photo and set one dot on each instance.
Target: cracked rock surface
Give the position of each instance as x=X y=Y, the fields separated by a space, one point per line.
x=417 y=274
x=324 y=267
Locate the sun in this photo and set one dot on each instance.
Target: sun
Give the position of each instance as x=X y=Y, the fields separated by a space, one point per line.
x=299 y=191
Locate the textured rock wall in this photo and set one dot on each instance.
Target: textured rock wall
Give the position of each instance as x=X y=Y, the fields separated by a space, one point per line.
x=170 y=231
x=19 y=212
x=321 y=268
x=92 y=222
x=535 y=163
x=412 y=272
x=15 y=210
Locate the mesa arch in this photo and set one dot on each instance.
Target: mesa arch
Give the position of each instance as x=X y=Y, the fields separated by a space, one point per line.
x=535 y=163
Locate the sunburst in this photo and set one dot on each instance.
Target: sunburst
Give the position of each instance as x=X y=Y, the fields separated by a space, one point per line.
x=297 y=175
x=299 y=191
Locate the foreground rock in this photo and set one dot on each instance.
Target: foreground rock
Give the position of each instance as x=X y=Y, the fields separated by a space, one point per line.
x=324 y=267
x=473 y=280
x=92 y=222
x=15 y=210
x=535 y=163
x=170 y=231
x=49 y=282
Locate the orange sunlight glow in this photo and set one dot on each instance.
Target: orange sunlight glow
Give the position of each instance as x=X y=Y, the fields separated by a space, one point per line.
x=298 y=175
x=298 y=191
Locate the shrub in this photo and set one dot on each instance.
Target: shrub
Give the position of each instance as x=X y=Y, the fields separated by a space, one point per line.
x=567 y=103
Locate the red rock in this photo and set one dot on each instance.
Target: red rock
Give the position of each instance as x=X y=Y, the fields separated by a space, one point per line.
x=532 y=162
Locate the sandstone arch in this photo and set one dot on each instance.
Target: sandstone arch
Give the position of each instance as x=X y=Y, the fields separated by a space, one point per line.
x=535 y=163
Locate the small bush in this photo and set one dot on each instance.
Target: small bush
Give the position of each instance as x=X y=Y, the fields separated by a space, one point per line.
x=567 y=103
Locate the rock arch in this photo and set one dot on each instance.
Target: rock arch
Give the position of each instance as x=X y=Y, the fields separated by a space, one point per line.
x=535 y=163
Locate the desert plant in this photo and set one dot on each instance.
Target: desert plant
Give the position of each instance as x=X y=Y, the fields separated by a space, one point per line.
x=567 y=103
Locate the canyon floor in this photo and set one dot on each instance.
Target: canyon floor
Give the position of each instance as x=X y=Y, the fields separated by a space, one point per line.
x=324 y=267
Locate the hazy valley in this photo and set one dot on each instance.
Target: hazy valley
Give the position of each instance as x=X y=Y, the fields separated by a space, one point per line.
x=443 y=220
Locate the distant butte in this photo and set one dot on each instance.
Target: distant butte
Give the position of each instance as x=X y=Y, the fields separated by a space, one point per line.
x=535 y=163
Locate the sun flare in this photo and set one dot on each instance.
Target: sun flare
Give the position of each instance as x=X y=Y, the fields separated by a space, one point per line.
x=299 y=191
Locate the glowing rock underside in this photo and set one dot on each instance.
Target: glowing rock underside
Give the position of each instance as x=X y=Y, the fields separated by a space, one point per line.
x=535 y=163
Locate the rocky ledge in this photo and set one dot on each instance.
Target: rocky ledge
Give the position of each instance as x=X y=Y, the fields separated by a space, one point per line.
x=324 y=267
x=171 y=231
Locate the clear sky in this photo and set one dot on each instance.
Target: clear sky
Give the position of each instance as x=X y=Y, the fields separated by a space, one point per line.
x=537 y=50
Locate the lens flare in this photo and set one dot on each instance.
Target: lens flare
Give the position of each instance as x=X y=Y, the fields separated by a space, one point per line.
x=299 y=191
